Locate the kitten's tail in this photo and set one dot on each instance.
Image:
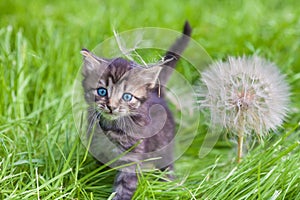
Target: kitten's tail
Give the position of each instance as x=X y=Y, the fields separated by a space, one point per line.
x=174 y=53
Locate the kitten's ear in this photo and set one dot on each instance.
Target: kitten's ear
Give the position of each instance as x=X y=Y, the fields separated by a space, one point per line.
x=91 y=62
x=148 y=76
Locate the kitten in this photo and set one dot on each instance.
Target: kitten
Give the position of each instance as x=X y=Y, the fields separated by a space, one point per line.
x=127 y=110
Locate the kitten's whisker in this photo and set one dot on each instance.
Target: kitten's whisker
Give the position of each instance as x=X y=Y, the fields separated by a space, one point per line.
x=91 y=119
x=94 y=113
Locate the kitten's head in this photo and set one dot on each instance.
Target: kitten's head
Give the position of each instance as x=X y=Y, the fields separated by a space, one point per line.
x=116 y=87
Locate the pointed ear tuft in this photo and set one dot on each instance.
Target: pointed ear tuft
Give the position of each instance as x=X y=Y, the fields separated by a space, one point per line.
x=150 y=75
x=91 y=62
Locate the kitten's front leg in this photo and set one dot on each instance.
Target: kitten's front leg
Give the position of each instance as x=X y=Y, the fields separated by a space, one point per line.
x=125 y=185
x=126 y=180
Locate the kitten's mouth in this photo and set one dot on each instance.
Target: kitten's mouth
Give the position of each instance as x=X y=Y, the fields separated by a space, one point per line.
x=110 y=116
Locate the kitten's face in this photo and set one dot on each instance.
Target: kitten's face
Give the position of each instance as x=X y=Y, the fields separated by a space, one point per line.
x=118 y=97
x=116 y=87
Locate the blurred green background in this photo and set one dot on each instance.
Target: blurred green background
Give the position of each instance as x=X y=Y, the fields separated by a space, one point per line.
x=40 y=153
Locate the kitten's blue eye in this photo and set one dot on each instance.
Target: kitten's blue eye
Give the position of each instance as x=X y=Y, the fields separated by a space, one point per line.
x=102 y=92
x=127 y=97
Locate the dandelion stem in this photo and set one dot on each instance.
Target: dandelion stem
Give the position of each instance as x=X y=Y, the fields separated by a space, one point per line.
x=240 y=145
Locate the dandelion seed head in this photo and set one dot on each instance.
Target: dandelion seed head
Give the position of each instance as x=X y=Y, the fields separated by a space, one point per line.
x=245 y=94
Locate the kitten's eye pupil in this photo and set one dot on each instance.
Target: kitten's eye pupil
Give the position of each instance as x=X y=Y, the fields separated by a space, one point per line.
x=102 y=92
x=127 y=97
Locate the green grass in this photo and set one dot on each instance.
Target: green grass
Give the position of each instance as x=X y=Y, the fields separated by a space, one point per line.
x=41 y=156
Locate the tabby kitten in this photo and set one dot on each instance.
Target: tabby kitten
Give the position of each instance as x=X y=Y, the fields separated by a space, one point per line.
x=127 y=107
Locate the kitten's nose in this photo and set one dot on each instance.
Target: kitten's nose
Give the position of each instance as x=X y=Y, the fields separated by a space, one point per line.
x=111 y=108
